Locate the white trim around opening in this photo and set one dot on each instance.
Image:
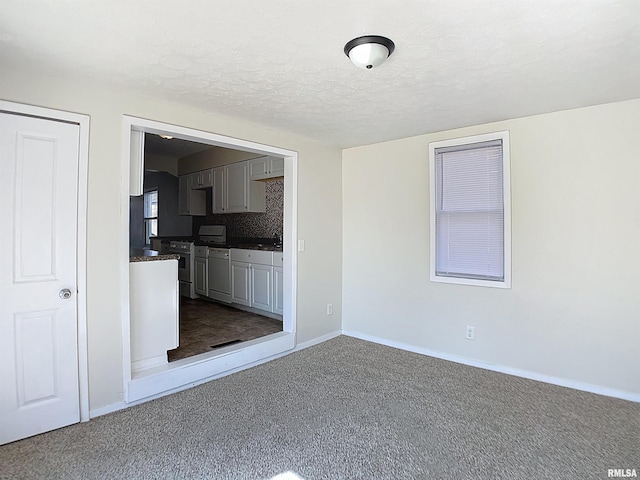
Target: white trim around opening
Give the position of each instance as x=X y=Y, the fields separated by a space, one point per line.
x=176 y=375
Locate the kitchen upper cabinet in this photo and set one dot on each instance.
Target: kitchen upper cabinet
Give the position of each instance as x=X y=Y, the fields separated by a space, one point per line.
x=190 y=200
x=262 y=168
x=202 y=179
x=242 y=194
x=232 y=191
x=218 y=199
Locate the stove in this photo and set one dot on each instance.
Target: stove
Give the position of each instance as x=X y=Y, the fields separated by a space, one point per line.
x=210 y=235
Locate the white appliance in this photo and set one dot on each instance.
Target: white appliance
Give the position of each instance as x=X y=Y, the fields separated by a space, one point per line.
x=218 y=266
x=209 y=235
x=219 y=274
x=213 y=235
x=186 y=250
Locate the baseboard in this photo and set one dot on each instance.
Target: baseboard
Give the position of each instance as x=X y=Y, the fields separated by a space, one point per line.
x=97 y=412
x=317 y=340
x=562 y=382
x=114 y=407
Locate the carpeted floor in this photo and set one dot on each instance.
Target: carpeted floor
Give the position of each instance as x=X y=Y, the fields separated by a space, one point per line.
x=347 y=409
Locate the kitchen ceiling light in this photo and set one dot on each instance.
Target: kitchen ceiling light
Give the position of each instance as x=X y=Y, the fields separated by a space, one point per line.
x=369 y=51
x=166 y=137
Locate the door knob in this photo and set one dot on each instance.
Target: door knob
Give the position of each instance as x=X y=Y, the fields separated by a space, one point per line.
x=65 y=293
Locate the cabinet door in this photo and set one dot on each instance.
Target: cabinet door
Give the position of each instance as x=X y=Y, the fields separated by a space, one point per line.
x=261 y=287
x=203 y=178
x=200 y=276
x=276 y=168
x=218 y=199
x=237 y=192
x=278 y=285
x=184 y=194
x=240 y=283
x=259 y=168
x=207 y=180
x=266 y=167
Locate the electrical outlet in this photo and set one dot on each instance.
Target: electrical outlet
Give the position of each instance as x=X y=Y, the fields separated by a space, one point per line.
x=329 y=308
x=301 y=245
x=471 y=333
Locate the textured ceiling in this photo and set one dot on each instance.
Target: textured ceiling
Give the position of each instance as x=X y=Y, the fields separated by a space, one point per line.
x=280 y=62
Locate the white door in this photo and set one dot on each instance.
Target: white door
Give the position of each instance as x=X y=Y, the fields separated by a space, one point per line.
x=38 y=280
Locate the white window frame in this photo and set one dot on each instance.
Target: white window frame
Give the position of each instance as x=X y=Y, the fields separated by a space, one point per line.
x=147 y=220
x=506 y=180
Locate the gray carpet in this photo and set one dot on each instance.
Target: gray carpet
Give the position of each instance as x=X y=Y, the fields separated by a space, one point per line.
x=347 y=409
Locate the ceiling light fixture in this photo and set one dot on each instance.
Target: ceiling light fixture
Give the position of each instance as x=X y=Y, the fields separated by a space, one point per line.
x=369 y=51
x=166 y=137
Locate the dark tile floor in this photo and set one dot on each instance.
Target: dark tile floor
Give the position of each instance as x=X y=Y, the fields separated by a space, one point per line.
x=205 y=324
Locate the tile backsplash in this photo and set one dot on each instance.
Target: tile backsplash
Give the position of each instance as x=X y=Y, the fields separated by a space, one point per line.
x=251 y=225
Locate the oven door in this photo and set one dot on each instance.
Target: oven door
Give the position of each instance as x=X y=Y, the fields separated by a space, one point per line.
x=184 y=267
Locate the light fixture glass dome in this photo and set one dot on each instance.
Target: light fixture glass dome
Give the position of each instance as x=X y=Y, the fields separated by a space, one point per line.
x=369 y=51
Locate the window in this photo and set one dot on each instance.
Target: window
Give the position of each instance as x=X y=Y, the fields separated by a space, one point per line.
x=150 y=215
x=470 y=211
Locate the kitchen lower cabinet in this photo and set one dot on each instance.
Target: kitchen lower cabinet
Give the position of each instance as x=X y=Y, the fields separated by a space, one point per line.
x=200 y=276
x=154 y=312
x=261 y=287
x=278 y=288
x=240 y=283
x=253 y=280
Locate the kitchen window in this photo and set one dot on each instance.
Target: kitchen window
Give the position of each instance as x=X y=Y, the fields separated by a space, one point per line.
x=470 y=211
x=150 y=215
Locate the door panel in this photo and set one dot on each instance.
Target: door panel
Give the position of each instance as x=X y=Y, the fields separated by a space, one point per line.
x=240 y=283
x=261 y=289
x=38 y=328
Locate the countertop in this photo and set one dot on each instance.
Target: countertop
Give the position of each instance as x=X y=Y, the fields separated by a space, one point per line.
x=267 y=248
x=140 y=255
x=244 y=246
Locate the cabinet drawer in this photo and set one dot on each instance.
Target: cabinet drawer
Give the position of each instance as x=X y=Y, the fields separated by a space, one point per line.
x=201 y=251
x=278 y=259
x=251 y=256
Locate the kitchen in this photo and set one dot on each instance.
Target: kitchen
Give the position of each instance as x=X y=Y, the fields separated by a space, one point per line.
x=218 y=213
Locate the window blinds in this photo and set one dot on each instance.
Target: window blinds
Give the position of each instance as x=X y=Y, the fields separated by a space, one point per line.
x=470 y=211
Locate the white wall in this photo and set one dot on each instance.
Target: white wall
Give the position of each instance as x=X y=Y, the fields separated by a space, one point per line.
x=319 y=210
x=574 y=309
